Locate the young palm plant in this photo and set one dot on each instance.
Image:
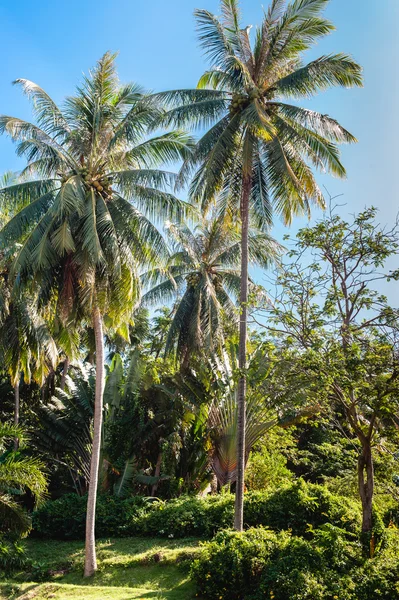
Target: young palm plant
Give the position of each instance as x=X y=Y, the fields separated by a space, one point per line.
x=203 y=271
x=260 y=148
x=17 y=474
x=89 y=214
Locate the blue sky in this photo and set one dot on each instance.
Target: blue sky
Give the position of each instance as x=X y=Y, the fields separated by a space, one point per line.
x=53 y=41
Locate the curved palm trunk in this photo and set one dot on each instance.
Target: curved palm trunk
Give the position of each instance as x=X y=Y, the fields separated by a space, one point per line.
x=64 y=372
x=90 y=549
x=242 y=351
x=16 y=411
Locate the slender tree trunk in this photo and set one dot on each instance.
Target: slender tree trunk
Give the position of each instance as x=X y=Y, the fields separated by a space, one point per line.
x=64 y=372
x=242 y=355
x=154 y=488
x=16 y=411
x=90 y=550
x=365 y=471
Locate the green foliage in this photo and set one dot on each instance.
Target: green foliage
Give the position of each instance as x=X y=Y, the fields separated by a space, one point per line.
x=203 y=276
x=76 y=230
x=254 y=132
x=12 y=555
x=299 y=506
x=65 y=518
x=188 y=516
x=18 y=473
x=296 y=507
x=259 y=563
x=267 y=466
x=229 y=563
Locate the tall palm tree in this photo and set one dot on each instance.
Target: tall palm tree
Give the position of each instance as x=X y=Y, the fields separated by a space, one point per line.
x=203 y=271
x=260 y=149
x=83 y=229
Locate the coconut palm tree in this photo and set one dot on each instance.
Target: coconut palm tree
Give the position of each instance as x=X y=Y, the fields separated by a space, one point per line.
x=26 y=345
x=260 y=148
x=203 y=271
x=89 y=214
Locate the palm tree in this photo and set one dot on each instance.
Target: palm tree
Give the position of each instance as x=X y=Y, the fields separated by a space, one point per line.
x=26 y=345
x=83 y=229
x=260 y=149
x=203 y=270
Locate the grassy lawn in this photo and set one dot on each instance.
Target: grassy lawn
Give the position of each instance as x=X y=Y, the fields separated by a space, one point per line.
x=129 y=568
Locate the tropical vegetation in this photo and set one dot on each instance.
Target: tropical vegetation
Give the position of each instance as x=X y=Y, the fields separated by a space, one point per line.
x=219 y=405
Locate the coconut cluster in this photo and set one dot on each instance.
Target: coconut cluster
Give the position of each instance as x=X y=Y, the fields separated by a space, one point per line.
x=192 y=279
x=100 y=182
x=240 y=101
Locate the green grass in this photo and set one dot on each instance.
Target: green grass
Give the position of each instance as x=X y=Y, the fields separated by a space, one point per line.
x=129 y=568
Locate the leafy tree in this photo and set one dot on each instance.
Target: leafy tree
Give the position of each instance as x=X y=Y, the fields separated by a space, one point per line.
x=203 y=271
x=82 y=229
x=331 y=311
x=259 y=149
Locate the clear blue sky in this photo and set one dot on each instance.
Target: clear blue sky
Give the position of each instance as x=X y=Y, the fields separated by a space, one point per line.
x=53 y=41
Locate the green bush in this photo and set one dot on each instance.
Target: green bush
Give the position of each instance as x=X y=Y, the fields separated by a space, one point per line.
x=297 y=507
x=300 y=506
x=184 y=517
x=12 y=555
x=64 y=519
x=231 y=564
x=260 y=563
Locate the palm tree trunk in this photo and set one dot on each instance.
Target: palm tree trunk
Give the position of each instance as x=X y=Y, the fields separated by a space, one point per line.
x=242 y=353
x=16 y=411
x=90 y=550
x=64 y=372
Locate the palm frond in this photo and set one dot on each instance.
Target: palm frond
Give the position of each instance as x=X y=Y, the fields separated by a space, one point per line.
x=48 y=115
x=321 y=74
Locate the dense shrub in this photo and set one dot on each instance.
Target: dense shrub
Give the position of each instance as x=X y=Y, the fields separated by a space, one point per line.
x=12 y=555
x=64 y=519
x=231 y=564
x=259 y=563
x=183 y=517
x=298 y=507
